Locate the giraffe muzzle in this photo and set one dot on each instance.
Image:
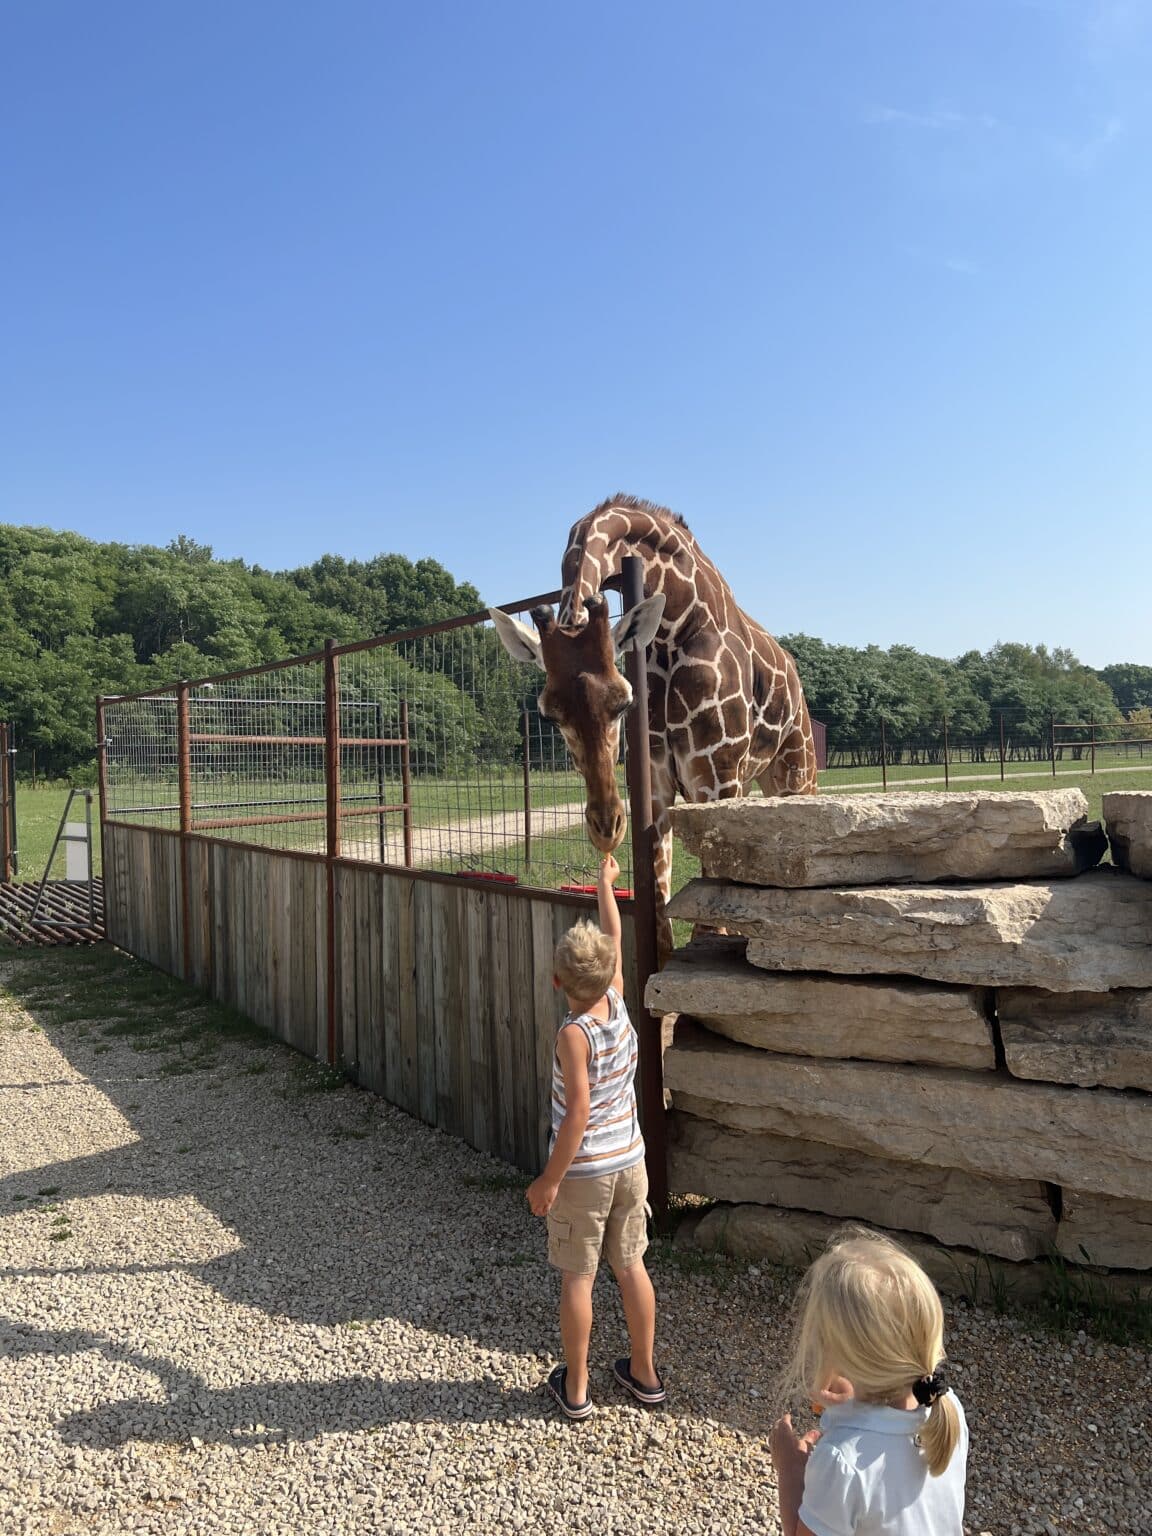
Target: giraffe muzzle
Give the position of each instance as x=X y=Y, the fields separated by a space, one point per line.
x=606 y=827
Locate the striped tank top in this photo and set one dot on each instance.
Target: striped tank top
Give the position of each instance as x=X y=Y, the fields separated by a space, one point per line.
x=612 y=1140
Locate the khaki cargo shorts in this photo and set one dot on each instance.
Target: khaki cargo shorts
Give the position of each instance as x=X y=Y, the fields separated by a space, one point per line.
x=605 y=1215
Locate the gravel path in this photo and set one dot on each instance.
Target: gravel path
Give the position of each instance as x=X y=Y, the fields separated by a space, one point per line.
x=235 y=1300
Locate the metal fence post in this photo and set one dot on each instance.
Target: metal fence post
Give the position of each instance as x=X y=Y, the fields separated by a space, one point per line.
x=648 y=1028
x=1052 y=727
x=1092 y=728
x=527 y=793
x=1001 y=746
x=5 y=809
x=332 y=823
x=184 y=780
x=883 y=755
x=946 y=785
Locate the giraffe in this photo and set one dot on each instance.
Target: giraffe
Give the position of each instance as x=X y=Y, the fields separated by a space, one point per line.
x=725 y=704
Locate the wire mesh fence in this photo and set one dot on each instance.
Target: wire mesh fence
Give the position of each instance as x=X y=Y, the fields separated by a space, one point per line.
x=1017 y=748
x=438 y=758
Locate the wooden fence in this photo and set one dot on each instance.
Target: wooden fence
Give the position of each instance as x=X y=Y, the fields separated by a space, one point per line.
x=441 y=987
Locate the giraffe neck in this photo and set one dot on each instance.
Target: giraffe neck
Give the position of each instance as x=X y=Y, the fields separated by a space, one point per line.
x=673 y=561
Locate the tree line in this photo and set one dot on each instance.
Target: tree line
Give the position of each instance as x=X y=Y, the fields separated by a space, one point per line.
x=80 y=618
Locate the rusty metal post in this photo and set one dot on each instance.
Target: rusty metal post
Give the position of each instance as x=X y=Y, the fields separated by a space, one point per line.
x=6 y=806
x=1052 y=728
x=406 y=783
x=184 y=781
x=648 y=1029
x=383 y=836
x=946 y=785
x=102 y=785
x=527 y=793
x=332 y=819
x=1092 y=728
x=1001 y=746
x=883 y=754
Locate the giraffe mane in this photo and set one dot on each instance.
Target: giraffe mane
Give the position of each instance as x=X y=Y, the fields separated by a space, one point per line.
x=639 y=504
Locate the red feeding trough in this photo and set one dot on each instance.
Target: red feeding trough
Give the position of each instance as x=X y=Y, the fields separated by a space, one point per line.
x=625 y=894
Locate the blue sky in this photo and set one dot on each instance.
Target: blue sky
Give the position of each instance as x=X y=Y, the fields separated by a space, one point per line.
x=860 y=289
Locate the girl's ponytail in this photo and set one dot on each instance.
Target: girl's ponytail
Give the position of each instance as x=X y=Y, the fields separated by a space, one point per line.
x=940 y=1435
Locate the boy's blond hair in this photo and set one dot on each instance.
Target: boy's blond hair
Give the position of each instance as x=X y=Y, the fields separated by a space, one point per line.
x=585 y=962
x=867 y=1311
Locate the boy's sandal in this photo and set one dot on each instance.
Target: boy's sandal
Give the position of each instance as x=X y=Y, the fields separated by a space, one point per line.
x=651 y=1397
x=555 y=1387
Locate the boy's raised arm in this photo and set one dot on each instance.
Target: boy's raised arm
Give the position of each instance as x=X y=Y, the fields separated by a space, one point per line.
x=609 y=914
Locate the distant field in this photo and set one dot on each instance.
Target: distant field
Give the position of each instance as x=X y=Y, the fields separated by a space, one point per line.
x=567 y=856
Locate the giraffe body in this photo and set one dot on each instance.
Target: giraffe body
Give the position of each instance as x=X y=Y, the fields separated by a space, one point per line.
x=725 y=704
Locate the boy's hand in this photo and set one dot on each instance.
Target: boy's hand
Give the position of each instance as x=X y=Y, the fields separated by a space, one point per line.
x=609 y=870
x=541 y=1196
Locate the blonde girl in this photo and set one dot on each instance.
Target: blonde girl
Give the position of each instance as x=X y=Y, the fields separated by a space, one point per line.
x=890 y=1453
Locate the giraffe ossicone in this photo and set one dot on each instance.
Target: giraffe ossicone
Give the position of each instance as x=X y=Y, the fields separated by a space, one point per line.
x=725 y=705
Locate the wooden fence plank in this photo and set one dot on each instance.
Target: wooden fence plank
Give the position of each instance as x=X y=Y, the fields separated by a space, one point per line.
x=499 y=914
x=370 y=1028
x=478 y=1010
x=548 y=1005
x=389 y=982
x=406 y=990
x=523 y=1033
x=422 y=944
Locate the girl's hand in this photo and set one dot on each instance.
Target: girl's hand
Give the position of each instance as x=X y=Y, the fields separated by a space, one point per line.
x=609 y=870
x=790 y=1451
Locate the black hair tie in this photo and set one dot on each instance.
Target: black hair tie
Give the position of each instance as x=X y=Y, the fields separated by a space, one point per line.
x=927 y=1389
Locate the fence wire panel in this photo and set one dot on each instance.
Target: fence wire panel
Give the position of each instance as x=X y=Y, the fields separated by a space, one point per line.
x=256 y=758
x=445 y=762
x=142 y=773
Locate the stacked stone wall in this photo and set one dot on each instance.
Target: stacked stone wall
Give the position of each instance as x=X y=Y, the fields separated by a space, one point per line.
x=931 y=1013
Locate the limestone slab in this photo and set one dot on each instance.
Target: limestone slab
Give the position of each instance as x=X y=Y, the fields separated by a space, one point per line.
x=794 y=1238
x=1128 y=821
x=876 y=839
x=1087 y=935
x=1092 y=1039
x=1098 y=1140
x=1099 y=1229
x=826 y=1015
x=1008 y=1217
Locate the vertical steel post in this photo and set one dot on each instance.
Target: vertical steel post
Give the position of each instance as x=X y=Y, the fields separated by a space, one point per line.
x=1052 y=738
x=1092 y=727
x=527 y=793
x=406 y=783
x=332 y=821
x=102 y=784
x=5 y=809
x=883 y=754
x=184 y=780
x=1001 y=746
x=380 y=781
x=946 y=751
x=648 y=1029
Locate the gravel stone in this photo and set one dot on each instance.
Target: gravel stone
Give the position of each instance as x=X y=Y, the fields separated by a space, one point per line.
x=231 y=1306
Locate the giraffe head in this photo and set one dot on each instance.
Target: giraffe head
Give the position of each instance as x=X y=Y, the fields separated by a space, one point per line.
x=585 y=694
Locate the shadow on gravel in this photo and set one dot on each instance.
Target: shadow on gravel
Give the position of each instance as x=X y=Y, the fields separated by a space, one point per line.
x=259 y=1413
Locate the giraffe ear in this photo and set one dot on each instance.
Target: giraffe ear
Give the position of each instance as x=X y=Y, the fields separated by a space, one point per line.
x=521 y=643
x=640 y=623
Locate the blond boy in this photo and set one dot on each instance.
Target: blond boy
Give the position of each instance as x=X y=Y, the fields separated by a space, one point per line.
x=594 y=1187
